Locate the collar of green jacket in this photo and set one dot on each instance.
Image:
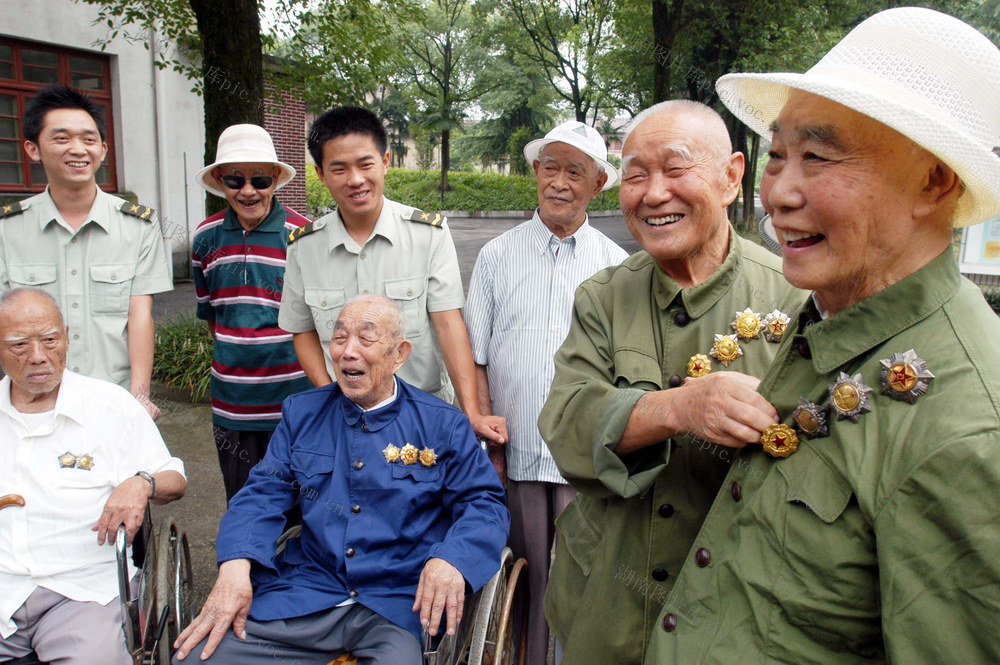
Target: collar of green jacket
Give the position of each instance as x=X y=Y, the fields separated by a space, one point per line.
x=701 y=298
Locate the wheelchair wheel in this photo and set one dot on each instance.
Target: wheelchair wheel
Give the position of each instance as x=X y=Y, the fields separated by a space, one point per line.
x=484 y=648
x=511 y=625
x=174 y=582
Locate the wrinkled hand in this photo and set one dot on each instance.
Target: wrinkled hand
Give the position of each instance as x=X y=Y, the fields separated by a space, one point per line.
x=491 y=428
x=227 y=604
x=725 y=407
x=441 y=587
x=126 y=505
x=151 y=409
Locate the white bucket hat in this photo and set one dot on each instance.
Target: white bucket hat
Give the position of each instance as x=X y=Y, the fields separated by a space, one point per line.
x=581 y=136
x=243 y=144
x=929 y=76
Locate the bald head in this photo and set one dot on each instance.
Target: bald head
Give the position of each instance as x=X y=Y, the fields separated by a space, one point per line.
x=33 y=346
x=712 y=135
x=11 y=301
x=387 y=312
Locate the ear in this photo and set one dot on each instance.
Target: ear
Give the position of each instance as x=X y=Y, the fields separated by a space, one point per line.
x=385 y=159
x=732 y=177
x=534 y=165
x=602 y=178
x=33 y=152
x=402 y=353
x=319 y=170
x=941 y=187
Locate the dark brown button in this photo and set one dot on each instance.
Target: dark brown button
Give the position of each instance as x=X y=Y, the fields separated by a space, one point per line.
x=682 y=319
x=358 y=464
x=737 y=491
x=676 y=380
x=702 y=557
x=669 y=622
x=350 y=552
x=660 y=574
x=803 y=348
x=666 y=510
x=353 y=593
x=355 y=509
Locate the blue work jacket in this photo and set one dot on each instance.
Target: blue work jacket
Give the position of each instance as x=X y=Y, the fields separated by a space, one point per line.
x=369 y=524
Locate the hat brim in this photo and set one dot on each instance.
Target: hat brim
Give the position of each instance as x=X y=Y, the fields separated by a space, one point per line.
x=211 y=184
x=757 y=99
x=533 y=148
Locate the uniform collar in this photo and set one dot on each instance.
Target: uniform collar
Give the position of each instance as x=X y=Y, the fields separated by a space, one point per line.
x=273 y=223
x=384 y=227
x=49 y=213
x=699 y=299
x=375 y=419
x=835 y=341
x=69 y=401
x=541 y=235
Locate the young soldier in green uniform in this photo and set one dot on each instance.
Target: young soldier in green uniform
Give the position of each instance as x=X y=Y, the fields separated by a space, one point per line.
x=657 y=366
x=101 y=258
x=371 y=244
x=867 y=530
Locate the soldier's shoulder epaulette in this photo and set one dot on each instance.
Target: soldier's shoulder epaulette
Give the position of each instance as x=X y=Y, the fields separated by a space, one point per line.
x=11 y=209
x=145 y=213
x=304 y=230
x=433 y=218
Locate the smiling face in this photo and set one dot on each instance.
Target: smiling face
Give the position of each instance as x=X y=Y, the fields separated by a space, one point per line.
x=567 y=181
x=856 y=205
x=250 y=204
x=33 y=345
x=354 y=172
x=69 y=148
x=678 y=177
x=367 y=350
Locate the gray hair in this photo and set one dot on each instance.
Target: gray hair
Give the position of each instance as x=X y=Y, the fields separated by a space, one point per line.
x=9 y=298
x=389 y=309
x=718 y=141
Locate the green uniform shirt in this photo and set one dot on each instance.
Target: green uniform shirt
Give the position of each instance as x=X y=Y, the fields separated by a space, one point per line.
x=881 y=542
x=411 y=262
x=92 y=273
x=624 y=538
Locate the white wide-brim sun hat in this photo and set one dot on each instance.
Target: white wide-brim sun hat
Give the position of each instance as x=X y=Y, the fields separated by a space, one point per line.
x=928 y=75
x=581 y=136
x=243 y=144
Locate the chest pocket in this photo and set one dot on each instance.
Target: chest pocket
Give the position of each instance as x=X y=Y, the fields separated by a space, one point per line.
x=325 y=306
x=410 y=295
x=415 y=477
x=41 y=275
x=110 y=288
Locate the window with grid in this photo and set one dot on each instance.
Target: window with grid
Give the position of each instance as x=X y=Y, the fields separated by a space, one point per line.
x=26 y=68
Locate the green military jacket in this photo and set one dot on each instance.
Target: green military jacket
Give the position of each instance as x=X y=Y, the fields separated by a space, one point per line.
x=879 y=543
x=624 y=538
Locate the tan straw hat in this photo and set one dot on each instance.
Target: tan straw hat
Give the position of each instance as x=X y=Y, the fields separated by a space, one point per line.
x=581 y=136
x=929 y=76
x=243 y=144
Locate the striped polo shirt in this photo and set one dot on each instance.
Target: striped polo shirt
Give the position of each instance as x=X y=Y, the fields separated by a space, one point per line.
x=238 y=276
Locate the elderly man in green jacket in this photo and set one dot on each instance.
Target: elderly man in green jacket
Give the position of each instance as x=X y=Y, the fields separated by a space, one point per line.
x=868 y=528
x=655 y=372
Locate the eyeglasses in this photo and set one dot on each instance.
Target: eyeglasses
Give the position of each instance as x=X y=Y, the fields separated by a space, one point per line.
x=257 y=181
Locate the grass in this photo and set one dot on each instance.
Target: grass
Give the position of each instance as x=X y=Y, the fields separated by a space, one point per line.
x=183 y=355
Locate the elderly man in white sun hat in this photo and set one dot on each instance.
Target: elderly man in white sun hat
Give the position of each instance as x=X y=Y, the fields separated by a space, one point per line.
x=518 y=312
x=238 y=256
x=867 y=531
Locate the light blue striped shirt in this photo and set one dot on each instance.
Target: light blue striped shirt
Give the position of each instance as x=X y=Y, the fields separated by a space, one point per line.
x=518 y=314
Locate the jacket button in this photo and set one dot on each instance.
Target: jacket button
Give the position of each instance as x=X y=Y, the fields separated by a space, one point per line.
x=114 y=276
x=702 y=557
x=675 y=381
x=682 y=319
x=666 y=510
x=803 y=348
x=353 y=593
x=737 y=491
x=350 y=552
x=355 y=509
x=669 y=622
x=358 y=465
x=409 y=292
x=323 y=304
x=660 y=574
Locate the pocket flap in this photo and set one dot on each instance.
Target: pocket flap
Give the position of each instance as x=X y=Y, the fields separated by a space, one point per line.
x=112 y=273
x=32 y=273
x=405 y=289
x=814 y=484
x=418 y=472
x=311 y=464
x=324 y=298
x=579 y=536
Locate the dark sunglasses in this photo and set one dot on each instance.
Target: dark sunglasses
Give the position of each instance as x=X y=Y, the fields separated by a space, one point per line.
x=257 y=181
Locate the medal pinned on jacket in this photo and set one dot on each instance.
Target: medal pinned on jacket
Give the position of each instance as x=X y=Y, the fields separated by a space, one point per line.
x=904 y=376
x=849 y=397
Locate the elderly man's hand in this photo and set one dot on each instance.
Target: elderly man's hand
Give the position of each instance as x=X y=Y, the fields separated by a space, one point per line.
x=441 y=587
x=126 y=505
x=725 y=407
x=151 y=409
x=228 y=604
x=491 y=428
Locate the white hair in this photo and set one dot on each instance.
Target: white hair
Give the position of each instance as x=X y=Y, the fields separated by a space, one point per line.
x=390 y=310
x=9 y=298
x=717 y=141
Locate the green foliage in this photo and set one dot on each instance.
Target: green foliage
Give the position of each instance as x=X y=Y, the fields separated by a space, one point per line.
x=515 y=148
x=182 y=356
x=318 y=199
x=992 y=295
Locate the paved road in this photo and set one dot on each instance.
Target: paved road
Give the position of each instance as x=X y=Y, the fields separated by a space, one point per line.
x=187 y=428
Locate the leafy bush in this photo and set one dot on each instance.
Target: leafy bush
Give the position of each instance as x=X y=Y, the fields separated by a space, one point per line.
x=183 y=355
x=992 y=295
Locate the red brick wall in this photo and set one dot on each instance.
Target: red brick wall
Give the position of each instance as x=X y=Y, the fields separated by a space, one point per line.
x=284 y=120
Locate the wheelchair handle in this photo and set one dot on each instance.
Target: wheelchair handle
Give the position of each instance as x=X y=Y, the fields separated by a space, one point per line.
x=11 y=500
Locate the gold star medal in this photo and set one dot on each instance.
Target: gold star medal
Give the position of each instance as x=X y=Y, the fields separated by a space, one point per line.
x=427 y=457
x=726 y=349
x=409 y=454
x=391 y=453
x=904 y=376
x=699 y=365
x=775 y=325
x=67 y=460
x=849 y=397
x=85 y=462
x=746 y=324
x=779 y=440
x=810 y=418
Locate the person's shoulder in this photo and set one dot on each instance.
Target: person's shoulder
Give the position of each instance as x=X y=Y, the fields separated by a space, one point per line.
x=421 y=218
x=759 y=256
x=313 y=229
x=16 y=209
x=426 y=402
x=134 y=211
x=608 y=246
x=212 y=222
x=640 y=263
x=293 y=219
x=100 y=393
